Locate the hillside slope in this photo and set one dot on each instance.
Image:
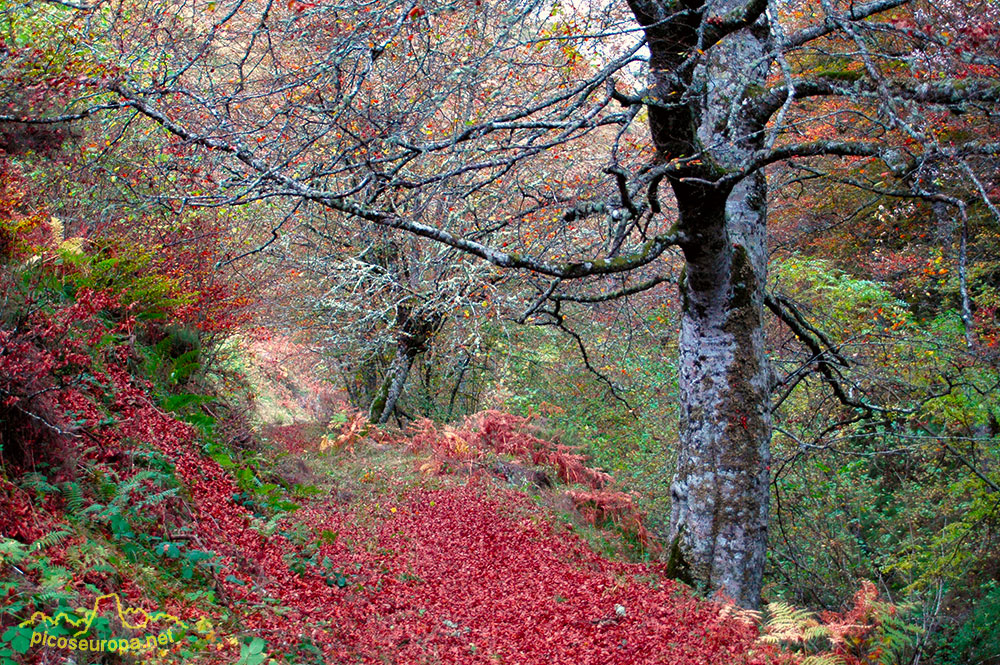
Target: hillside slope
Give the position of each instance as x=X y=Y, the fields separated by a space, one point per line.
x=396 y=565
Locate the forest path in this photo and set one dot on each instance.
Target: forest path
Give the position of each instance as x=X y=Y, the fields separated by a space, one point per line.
x=391 y=564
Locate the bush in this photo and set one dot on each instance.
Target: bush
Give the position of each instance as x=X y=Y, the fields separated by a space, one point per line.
x=977 y=641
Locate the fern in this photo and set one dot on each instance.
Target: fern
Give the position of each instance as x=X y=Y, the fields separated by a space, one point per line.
x=74 y=497
x=895 y=638
x=54 y=586
x=12 y=551
x=91 y=555
x=48 y=540
x=53 y=596
x=186 y=364
x=267 y=528
x=153 y=459
x=791 y=625
x=154 y=499
x=180 y=403
x=123 y=492
x=145 y=575
x=872 y=627
x=824 y=659
x=39 y=483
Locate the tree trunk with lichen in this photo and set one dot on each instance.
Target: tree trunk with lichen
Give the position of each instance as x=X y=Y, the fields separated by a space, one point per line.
x=720 y=490
x=392 y=386
x=416 y=329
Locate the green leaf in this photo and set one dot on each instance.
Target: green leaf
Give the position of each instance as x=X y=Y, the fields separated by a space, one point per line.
x=194 y=556
x=120 y=528
x=19 y=638
x=253 y=653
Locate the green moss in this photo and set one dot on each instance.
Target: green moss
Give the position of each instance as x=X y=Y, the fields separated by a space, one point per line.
x=677 y=566
x=378 y=403
x=743 y=278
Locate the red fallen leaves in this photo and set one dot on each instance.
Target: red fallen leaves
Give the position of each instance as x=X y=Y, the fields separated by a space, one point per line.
x=19 y=518
x=508 y=434
x=466 y=574
x=49 y=384
x=459 y=575
x=469 y=575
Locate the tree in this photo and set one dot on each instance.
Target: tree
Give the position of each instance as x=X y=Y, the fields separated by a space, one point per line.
x=379 y=305
x=374 y=111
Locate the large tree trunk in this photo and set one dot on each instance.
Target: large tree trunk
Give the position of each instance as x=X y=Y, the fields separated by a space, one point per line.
x=720 y=491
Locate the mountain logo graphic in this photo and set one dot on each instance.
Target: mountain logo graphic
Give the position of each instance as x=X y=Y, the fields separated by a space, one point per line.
x=131 y=617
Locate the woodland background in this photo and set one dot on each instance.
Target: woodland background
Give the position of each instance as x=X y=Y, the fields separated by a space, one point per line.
x=179 y=333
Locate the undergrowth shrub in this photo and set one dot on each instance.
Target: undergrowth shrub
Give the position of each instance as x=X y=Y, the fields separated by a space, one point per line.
x=23 y=226
x=871 y=631
x=97 y=336
x=493 y=433
x=977 y=639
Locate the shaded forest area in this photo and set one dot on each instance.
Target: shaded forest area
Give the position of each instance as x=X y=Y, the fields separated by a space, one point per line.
x=478 y=331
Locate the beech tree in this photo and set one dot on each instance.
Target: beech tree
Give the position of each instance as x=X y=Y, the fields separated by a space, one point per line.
x=380 y=304
x=375 y=111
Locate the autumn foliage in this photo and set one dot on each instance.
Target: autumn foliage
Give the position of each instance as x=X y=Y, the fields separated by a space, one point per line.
x=497 y=433
x=458 y=568
x=205 y=207
x=465 y=572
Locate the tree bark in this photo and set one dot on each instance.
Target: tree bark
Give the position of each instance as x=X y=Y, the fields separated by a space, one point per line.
x=416 y=329
x=720 y=490
x=392 y=386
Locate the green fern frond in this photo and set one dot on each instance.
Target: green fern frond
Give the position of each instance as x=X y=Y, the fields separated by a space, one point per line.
x=789 y=626
x=90 y=555
x=54 y=587
x=55 y=577
x=783 y=615
x=12 y=551
x=816 y=632
x=157 y=498
x=53 y=596
x=74 y=497
x=39 y=483
x=14 y=608
x=269 y=527
x=123 y=492
x=48 y=540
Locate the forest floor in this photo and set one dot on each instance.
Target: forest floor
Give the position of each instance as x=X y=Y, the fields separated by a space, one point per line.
x=428 y=548
x=323 y=540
